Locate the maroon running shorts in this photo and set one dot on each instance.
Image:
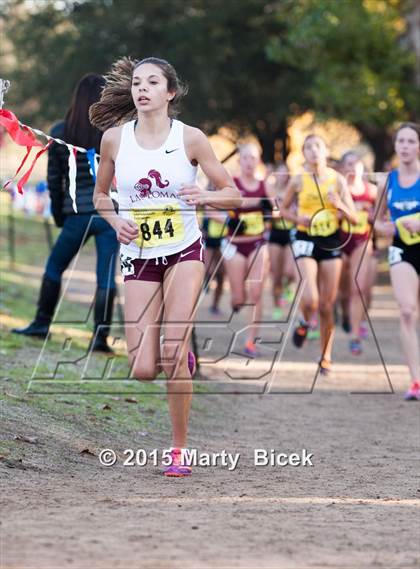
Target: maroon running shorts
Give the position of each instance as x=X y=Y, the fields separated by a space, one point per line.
x=154 y=269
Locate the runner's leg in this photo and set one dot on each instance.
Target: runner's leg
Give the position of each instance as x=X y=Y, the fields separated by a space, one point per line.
x=276 y=257
x=257 y=269
x=181 y=289
x=359 y=269
x=405 y=282
x=236 y=269
x=143 y=312
x=308 y=269
x=329 y=278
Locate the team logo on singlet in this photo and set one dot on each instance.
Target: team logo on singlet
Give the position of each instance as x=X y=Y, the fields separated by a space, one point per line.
x=144 y=187
x=406 y=205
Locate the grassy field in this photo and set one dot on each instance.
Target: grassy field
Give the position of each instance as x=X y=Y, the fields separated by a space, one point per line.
x=63 y=397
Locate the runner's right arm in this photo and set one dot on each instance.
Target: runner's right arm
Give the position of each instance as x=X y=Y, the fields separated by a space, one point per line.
x=125 y=229
x=383 y=225
x=292 y=189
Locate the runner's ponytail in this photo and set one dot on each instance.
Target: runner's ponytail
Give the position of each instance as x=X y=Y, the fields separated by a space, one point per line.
x=116 y=106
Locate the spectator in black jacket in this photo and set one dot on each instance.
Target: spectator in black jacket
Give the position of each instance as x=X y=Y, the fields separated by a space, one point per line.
x=77 y=227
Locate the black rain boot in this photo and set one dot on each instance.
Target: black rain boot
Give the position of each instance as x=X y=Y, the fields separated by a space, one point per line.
x=104 y=302
x=48 y=298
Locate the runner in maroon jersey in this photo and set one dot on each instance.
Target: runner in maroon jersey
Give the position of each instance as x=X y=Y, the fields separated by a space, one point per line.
x=357 y=246
x=245 y=255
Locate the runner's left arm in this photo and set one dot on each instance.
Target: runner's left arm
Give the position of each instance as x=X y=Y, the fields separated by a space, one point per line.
x=383 y=225
x=287 y=206
x=199 y=151
x=343 y=201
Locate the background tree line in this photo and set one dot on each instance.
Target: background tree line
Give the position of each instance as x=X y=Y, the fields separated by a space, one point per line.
x=250 y=64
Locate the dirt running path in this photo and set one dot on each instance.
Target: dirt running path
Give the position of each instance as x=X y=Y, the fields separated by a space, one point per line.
x=356 y=507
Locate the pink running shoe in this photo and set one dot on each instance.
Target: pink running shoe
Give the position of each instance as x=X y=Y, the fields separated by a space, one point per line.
x=282 y=302
x=413 y=393
x=251 y=350
x=177 y=469
x=192 y=363
x=363 y=330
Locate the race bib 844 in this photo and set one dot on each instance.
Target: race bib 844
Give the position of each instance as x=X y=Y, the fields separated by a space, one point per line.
x=159 y=227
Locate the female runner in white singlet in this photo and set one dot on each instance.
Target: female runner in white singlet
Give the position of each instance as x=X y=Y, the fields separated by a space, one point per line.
x=154 y=159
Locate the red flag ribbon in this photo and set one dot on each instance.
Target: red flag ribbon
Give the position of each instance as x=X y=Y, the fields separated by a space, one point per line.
x=23 y=136
x=25 y=177
x=28 y=150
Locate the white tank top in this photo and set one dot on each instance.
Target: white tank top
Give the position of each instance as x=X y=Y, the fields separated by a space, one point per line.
x=148 y=182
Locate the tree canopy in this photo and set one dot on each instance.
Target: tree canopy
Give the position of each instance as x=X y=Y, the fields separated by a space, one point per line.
x=249 y=64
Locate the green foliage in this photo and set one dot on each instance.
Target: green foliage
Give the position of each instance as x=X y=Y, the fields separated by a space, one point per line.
x=250 y=64
x=351 y=50
x=218 y=48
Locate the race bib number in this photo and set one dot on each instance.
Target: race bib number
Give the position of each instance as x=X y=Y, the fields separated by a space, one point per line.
x=228 y=249
x=281 y=223
x=127 y=267
x=216 y=229
x=253 y=223
x=159 y=227
x=362 y=225
x=408 y=237
x=323 y=223
x=394 y=255
x=302 y=248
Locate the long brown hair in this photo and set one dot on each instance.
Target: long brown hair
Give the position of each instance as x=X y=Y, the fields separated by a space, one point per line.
x=78 y=130
x=116 y=106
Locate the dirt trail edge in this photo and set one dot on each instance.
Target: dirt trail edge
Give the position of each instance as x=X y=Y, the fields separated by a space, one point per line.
x=62 y=508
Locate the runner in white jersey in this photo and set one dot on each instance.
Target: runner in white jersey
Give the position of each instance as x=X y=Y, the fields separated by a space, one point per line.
x=148 y=184
x=154 y=159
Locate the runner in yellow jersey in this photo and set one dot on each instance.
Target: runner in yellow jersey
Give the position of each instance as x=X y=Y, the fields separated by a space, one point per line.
x=322 y=199
x=214 y=229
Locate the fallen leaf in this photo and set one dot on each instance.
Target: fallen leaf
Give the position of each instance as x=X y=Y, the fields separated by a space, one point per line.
x=107 y=407
x=11 y=395
x=87 y=451
x=130 y=400
x=26 y=439
x=13 y=463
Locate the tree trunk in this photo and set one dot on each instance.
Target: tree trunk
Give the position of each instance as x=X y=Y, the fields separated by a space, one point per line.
x=274 y=144
x=267 y=141
x=380 y=140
